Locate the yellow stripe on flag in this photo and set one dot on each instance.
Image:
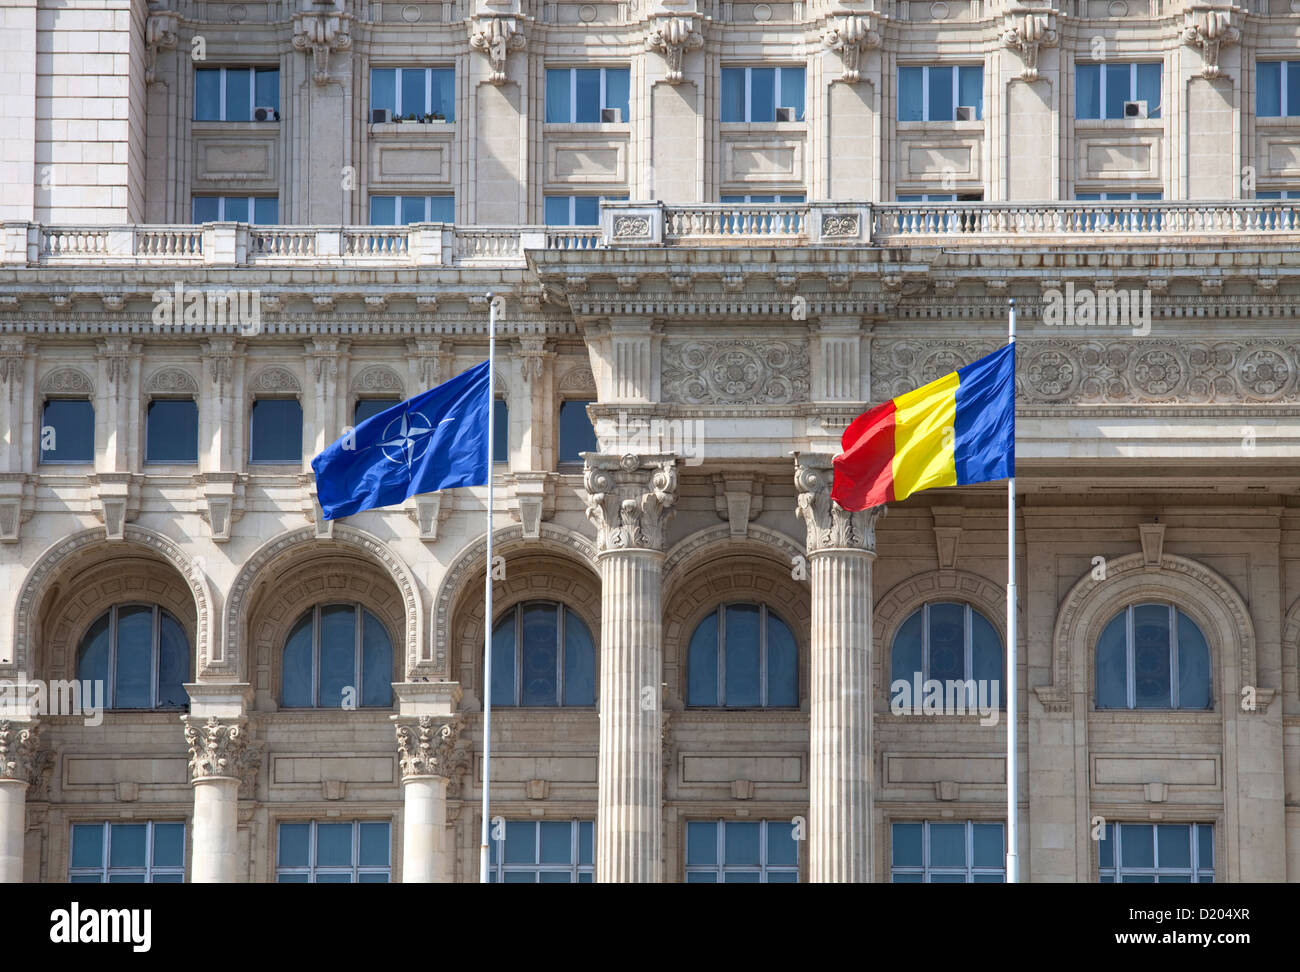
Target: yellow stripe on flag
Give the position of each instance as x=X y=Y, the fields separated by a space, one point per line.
x=924 y=437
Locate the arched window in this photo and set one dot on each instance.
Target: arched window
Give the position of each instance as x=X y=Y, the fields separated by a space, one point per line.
x=542 y=654
x=948 y=641
x=141 y=655
x=337 y=656
x=1153 y=656
x=743 y=656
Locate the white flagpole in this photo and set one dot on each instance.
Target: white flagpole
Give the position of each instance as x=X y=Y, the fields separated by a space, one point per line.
x=1013 y=847
x=487 y=594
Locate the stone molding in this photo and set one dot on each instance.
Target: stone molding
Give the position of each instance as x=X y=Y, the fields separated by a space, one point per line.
x=630 y=500
x=735 y=372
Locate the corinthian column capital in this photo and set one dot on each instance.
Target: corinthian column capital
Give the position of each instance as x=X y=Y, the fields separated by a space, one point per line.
x=20 y=759
x=222 y=751
x=830 y=526
x=630 y=499
x=427 y=746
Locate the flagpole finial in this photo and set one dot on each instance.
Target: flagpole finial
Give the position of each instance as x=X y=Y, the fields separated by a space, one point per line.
x=1011 y=302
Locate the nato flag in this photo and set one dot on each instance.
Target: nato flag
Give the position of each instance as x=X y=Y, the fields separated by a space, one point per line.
x=433 y=441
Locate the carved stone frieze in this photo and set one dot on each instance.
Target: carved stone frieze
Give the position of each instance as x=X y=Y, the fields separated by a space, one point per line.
x=738 y=372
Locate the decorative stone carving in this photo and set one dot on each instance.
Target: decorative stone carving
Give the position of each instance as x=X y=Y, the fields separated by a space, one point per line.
x=117 y=355
x=532 y=355
x=19 y=748
x=1210 y=30
x=172 y=381
x=578 y=378
x=738 y=499
x=841 y=225
x=378 y=378
x=424 y=747
x=852 y=36
x=222 y=750
x=829 y=525
x=275 y=379
x=1028 y=35
x=429 y=510
x=432 y=362
x=320 y=33
x=159 y=35
x=631 y=227
x=739 y=372
x=220 y=356
x=673 y=37
x=67 y=381
x=496 y=37
x=630 y=500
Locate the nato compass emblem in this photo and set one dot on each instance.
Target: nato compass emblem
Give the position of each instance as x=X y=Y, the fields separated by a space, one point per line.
x=406 y=439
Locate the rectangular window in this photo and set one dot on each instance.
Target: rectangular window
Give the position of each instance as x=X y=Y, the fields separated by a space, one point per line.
x=143 y=852
x=741 y=852
x=370 y=407
x=1143 y=853
x=582 y=94
x=235 y=94
x=259 y=210
x=415 y=91
x=1101 y=90
x=930 y=852
x=500 y=431
x=756 y=94
x=543 y=852
x=574 y=210
x=577 y=435
x=788 y=197
x=68 y=430
x=171 y=432
x=403 y=210
x=1277 y=89
x=276 y=430
x=933 y=93
x=355 y=852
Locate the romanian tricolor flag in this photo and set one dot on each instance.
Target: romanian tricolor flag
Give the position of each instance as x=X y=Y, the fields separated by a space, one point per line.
x=957 y=430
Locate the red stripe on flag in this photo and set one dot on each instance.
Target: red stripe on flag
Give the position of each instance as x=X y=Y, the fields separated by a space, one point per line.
x=864 y=471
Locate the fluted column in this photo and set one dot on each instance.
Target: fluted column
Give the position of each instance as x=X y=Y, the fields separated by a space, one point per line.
x=430 y=758
x=630 y=499
x=841 y=547
x=221 y=759
x=18 y=765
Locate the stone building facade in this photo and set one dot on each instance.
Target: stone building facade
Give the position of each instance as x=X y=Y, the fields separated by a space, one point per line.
x=795 y=169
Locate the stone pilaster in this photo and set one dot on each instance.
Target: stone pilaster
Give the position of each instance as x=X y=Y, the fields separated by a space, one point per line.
x=630 y=500
x=430 y=752
x=223 y=760
x=19 y=765
x=841 y=547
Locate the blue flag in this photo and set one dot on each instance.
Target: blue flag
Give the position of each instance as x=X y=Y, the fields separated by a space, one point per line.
x=433 y=441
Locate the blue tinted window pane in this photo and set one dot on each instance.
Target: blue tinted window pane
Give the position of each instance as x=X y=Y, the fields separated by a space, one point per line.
x=239 y=92
x=277 y=430
x=1138 y=879
x=741 y=844
x=126 y=879
x=987 y=879
x=557 y=842
x=372 y=879
x=1293 y=88
x=617 y=82
x=73 y=423
x=172 y=431
x=1268 y=89
x=266 y=210
x=526 y=877
x=169 y=879
x=782 y=849
x=268 y=88
x=297 y=688
x=940 y=94
x=701 y=877
x=87 y=845
x=989 y=849
x=173 y=662
x=970 y=88
x=370 y=407
x=1118 y=88
x=1106 y=846
x=413 y=209
x=333 y=878
x=1087 y=91
x=584 y=842
x=133 y=679
x=947 y=878
x=333 y=845
x=576 y=432
x=741 y=877
x=1151 y=655
x=1112 y=677
x=907 y=879
x=556 y=211
x=235 y=209
x=907 y=845
x=383 y=210
x=1148 y=87
x=741 y=664
x=1138 y=845
x=383 y=89
x=554 y=877
x=762 y=95
x=444 y=94
x=792 y=85
x=947 y=845
x=168 y=844
x=206 y=209
x=587 y=87
x=557 y=95
x=911 y=107
x=126 y=845
x=207 y=94
x=412 y=81
x=92 y=654
x=986 y=652
x=782 y=664
x=540 y=655
x=701 y=843
x=1193 y=665
x=376 y=662
x=442 y=209
x=1175 y=879
x=338 y=654
x=374 y=844
x=503 y=661
x=521 y=843
x=1205 y=845
x=500 y=431
x=1174 y=842
x=733 y=94
x=702 y=664
x=292 y=879
x=905 y=657
x=783 y=877
x=586 y=211
x=947 y=641
x=579 y=662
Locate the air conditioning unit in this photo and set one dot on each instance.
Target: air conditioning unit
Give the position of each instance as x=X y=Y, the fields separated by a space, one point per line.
x=1135 y=109
x=611 y=115
x=381 y=116
x=266 y=114
x=786 y=114
x=965 y=113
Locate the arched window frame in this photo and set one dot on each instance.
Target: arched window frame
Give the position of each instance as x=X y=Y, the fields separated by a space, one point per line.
x=1130 y=674
x=720 y=650
x=155 y=656
x=360 y=610
x=968 y=648
x=563 y=609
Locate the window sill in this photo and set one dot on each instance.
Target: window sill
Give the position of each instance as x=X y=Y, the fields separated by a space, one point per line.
x=413 y=128
x=1119 y=124
x=764 y=128
x=587 y=128
x=1277 y=121
x=940 y=126
x=226 y=127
